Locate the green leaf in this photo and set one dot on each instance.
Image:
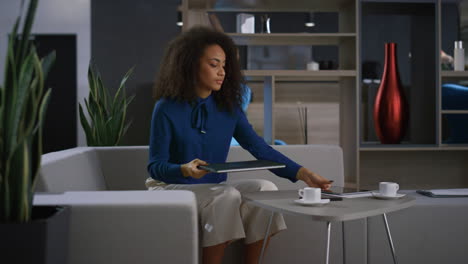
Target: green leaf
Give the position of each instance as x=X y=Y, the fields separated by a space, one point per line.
x=10 y=63
x=122 y=84
x=47 y=63
x=24 y=45
x=103 y=96
x=34 y=102
x=43 y=107
x=36 y=161
x=125 y=129
x=85 y=124
x=91 y=81
x=20 y=180
x=1 y=109
x=18 y=100
x=11 y=83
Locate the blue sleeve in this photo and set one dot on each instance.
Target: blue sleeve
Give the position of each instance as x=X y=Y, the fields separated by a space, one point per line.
x=159 y=166
x=249 y=140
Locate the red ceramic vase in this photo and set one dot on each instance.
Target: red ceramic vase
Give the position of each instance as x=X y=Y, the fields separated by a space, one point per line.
x=390 y=107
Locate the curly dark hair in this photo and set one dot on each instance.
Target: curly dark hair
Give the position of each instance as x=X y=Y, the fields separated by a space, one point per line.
x=178 y=74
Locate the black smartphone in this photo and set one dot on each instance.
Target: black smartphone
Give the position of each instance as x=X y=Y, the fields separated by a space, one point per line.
x=336 y=190
x=332 y=198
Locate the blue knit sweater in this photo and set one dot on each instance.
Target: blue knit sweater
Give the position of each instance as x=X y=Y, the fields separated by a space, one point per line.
x=181 y=132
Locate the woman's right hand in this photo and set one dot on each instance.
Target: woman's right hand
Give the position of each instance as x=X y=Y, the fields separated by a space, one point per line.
x=191 y=169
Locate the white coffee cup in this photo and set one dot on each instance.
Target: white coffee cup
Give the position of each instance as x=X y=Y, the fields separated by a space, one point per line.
x=388 y=188
x=310 y=194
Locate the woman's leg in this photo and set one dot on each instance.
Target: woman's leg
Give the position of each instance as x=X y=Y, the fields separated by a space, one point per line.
x=219 y=217
x=256 y=219
x=253 y=250
x=214 y=254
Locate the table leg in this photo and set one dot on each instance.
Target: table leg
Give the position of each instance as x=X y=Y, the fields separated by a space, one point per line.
x=390 y=238
x=328 y=242
x=366 y=246
x=265 y=240
x=344 y=241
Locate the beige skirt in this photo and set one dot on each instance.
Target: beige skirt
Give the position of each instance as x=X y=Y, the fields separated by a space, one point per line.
x=223 y=216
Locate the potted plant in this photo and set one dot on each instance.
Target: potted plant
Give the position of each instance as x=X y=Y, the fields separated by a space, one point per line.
x=26 y=232
x=107 y=115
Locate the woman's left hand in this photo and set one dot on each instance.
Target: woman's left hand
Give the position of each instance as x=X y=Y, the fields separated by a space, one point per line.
x=312 y=179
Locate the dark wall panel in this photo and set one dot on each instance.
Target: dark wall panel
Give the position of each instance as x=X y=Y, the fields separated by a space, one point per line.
x=60 y=126
x=132 y=33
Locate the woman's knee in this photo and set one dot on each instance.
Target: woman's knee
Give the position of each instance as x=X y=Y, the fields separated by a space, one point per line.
x=230 y=193
x=266 y=185
x=255 y=185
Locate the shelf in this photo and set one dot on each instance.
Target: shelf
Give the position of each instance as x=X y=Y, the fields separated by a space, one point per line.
x=454 y=74
x=399 y=1
x=412 y=147
x=299 y=75
x=269 y=5
x=265 y=10
x=291 y=38
x=453 y=147
x=454 y=112
x=398 y=147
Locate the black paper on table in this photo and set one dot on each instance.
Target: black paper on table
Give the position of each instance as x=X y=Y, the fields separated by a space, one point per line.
x=342 y=190
x=430 y=194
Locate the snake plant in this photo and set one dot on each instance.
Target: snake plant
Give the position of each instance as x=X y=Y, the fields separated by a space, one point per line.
x=107 y=116
x=23 y=105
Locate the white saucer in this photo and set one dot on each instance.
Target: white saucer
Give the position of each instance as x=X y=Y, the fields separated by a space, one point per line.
x=321 y=202
x=384 y=197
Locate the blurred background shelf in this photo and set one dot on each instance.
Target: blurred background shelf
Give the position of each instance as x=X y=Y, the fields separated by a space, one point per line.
x=397 y=147
x=292 y=38
x=454 y=74
x=269 y=5
x=299 y=75
x=454 y=111
x=369 y=147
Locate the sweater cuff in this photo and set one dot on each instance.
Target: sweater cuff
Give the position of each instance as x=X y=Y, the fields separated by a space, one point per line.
x=174 y=171
x=292 y=171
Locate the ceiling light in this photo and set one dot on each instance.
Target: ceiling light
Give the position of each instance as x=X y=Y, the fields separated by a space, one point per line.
x=179 y=19
x=310 y=21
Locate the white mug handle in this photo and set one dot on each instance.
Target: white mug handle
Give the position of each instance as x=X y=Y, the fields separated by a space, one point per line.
x=301 y=192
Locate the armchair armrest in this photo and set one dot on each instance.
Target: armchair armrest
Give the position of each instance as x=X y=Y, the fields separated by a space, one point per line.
x=130 y=226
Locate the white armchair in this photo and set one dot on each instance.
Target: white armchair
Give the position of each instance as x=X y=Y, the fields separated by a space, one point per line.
x=110 y=226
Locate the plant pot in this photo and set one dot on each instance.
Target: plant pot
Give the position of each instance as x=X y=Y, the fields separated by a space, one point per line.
x=43 y=240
